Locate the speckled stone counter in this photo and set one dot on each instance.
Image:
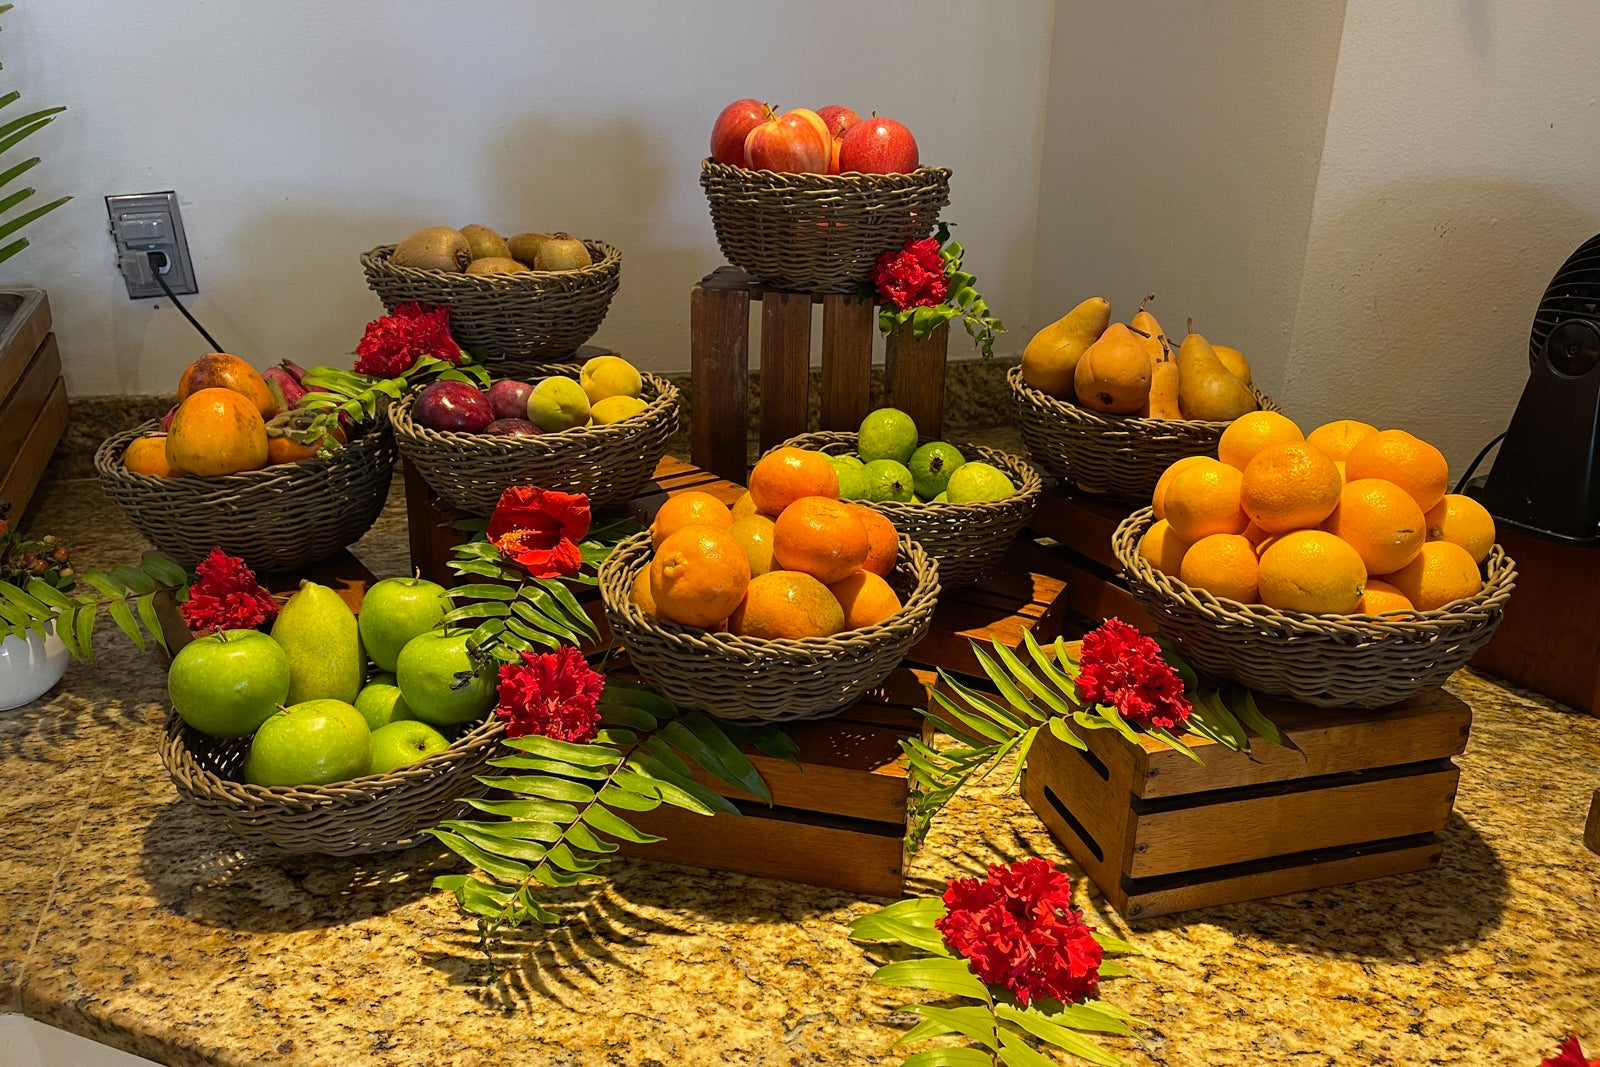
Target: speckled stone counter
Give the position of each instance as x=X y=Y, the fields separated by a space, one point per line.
x=127 y=917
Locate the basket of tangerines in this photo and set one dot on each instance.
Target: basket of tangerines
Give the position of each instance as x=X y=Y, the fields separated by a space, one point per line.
x=1335 y=568
x=789 y=606
x=1109 y=406
x=231 y=467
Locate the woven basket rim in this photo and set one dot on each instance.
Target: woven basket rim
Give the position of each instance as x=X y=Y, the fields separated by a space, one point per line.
x=377 y=258
x=108 y=462
x=1231 y=614
x=1126 y=423
x=848 y=181
x=1022 y=469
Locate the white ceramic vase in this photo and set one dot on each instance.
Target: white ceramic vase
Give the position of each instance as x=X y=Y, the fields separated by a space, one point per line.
x=29 y=667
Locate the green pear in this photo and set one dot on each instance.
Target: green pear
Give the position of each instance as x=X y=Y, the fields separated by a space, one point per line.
x=319 y=636
x=1207 y=390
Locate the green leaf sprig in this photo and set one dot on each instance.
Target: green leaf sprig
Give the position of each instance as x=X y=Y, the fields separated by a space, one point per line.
x=360 y=397
x=963 y=301
x=11 y=133
x=127 y=593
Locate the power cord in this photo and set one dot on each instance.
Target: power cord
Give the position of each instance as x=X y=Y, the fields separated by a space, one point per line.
x=1461 y=485
x=158 y=265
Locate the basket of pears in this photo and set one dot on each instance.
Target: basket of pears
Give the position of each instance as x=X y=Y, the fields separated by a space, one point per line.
x=599 y=429
x=527 y=296
x=1110 y=406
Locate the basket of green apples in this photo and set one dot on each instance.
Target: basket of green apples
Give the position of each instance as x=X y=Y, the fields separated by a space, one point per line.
x=963 y=503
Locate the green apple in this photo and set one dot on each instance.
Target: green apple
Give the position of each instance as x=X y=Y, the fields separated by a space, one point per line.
x=394 y=611
x=382 y=678
x=558 y=403
x=380 y=704
x=440 y=683
x=311 y=743
x=931 y=467
x=978 y=482
x=400 y=744
x=227 y=684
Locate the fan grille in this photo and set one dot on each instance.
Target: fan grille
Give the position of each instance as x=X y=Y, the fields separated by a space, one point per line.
x=1573 y=292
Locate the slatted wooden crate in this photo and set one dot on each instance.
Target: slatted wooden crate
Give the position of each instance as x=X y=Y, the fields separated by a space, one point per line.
x=33 y=397
x=1356 y=795
x=1072 y=530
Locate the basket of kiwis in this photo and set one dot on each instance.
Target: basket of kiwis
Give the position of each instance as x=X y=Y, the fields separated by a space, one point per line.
x=528 y=296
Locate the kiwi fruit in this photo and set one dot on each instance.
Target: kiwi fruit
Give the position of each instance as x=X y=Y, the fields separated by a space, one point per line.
x=435 y=248
x=525 y=246
x=484 y=243
x=562 y=252
x=496 y=265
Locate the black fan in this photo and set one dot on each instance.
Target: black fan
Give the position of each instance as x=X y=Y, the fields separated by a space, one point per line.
x=1546 y=479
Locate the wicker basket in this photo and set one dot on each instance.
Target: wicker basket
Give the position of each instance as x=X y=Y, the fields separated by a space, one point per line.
x=278 y=518
x=378 y=813
x=967 y=540
x=1119 y=455
x=1329 y=661
x=528 y=315
x=819 y=233
x=609 y=463
x=746 y=679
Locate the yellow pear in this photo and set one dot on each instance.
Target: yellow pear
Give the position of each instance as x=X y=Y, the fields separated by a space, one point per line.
x=1113 y=374
x=1163 y=402
x=1234 y=360
x=1051 y=358
x=1151 y=335
x=1207 y=390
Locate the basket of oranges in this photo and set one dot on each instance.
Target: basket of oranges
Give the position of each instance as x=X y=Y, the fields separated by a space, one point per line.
x=224 y=470
x=1333 y=568
x=790 y=610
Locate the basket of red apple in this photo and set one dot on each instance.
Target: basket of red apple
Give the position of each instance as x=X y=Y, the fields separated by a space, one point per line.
x=809 y=200
x=229 y=467
x=523 y=296
x=599 y=430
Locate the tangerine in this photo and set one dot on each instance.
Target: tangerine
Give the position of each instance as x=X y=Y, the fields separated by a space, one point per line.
x=1380 y=597
x=693 y=508
x=883 y=541
x=1409 y=462
x=281 y=448
x=1159 y=494
x=866 y=599
x=1224 y=565
x=820 y=537
x=1463 y=521
x=216 y=432
x=1380 y=521
x=1163 y=549
x=1251 y=432
x=639 y=595
x=1290 y=486
x=745 y=505
x=698 y=576
x=218 y=370
x=1313 y=571
x=148 y=455
x=786 y=474
x=1339 y=437
x=787 y=605
x=754 y=534
x=1203 y=499
x=1443 y=572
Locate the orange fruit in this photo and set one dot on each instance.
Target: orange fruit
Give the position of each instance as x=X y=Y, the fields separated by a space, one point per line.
x=1224 y=565
x=283 y=449
x=1312 y=571
x=693 y=508
x=1409 y=462
x=1256 y=535
x=754 y=534
x=1442 y=572
x=745 y=505
x=1203 y=499
x=218 y=370
x=785 y=475
x=866 y=599
x=1344 y=478
x=216 y=432
x=787 y=605
x=698 y=576
x=1463 y=521
x=1338 y=438
x=148 y=455
x=1289 y=486
x=1163 y=549
x=1250 y=433
x=883 y=541
x=1380 y=521
x=1380 y=597
x=1159 y=494
x=820 y=537
x=639 y=594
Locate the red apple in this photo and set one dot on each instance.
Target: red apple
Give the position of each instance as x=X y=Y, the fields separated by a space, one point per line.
x=728 y=133
x=838 y=118
x=452 y=406
x=795 y=142
x=878 y=146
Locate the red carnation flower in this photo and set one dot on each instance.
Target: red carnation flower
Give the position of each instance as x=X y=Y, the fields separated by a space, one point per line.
x=226 y=596
x=396 y=341
x=1018 y=929
x=1124 y=668
x=1570 y=1055
x=553 y=694
x=912 y=277
x=539 y=529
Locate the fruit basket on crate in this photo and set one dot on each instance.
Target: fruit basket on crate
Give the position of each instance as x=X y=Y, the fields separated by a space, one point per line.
x=1328 y=661
x=531 y=314
x=757 y=680
x=331 y=501
x=819 y=232
x=608 y=463
x=966 y=539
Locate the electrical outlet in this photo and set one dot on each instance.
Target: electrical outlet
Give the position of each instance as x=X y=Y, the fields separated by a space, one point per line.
x=148 y=232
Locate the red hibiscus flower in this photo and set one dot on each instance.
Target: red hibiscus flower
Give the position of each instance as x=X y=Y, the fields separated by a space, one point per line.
x=539 y=529
x=552 y=694
x=1569 y=1055
x=1124 y=668
x=226 y=596
x=393 y=343
x=912 y=277
x=1018 y=929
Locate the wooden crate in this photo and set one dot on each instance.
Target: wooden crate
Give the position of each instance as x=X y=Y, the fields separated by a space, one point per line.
x=33 y=396
x=1358 y=795
x=1071 y=531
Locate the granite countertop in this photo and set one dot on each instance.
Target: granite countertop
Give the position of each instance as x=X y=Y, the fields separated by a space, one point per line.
x=128 y=917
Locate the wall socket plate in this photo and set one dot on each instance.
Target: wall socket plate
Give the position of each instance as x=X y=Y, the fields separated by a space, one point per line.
x=145 y=223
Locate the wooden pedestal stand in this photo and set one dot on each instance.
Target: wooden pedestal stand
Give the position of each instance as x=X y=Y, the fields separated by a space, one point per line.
x=33 y=398
x=1073 y=532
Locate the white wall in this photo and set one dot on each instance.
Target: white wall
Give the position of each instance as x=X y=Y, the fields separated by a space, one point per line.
x=302 y=132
